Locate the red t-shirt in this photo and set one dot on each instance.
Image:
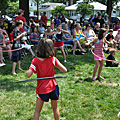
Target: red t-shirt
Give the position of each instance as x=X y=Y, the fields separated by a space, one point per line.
x=44 y=68
x=20 y=18
x=44 y=19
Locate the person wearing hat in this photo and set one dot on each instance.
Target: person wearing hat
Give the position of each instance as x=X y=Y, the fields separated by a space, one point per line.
x=20 y=17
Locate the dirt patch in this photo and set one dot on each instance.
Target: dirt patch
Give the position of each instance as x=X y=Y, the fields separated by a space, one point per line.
x=110 y=84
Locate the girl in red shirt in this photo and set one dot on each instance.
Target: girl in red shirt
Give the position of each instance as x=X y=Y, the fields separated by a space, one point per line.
x=43 y=65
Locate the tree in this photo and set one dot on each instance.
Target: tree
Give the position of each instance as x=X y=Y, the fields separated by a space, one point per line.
x=85 y=8
x=25 y=6
x=4 y=5
x=59 y=10
x=109 y=3
x=12 y=7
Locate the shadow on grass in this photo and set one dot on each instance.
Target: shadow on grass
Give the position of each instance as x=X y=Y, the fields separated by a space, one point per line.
x=78 y=81
x=88 y=80
x=85 y=80
x=9 y=85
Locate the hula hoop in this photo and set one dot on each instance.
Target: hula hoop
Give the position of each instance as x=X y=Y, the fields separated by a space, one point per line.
x=103 y=58
x=13 y=50
x=8 y=42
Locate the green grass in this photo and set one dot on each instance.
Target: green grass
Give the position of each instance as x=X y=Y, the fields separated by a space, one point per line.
x=80 y=98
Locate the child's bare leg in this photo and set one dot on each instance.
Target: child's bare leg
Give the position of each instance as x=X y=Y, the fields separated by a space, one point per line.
x=74 y=48
x=19 y=68
x=63 y=52
x=95 y=69
x=55 y=109
x=1 y=55
x=55 y=49
x=9 y=53
x=79 y=45
x=115 y=43
x=39 y=105
x=100 y=68
x=13 y=69
x=31 y=51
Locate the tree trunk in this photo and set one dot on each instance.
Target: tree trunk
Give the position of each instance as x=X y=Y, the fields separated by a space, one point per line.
x=70 y=2
x=109 y=8
x=24 y=5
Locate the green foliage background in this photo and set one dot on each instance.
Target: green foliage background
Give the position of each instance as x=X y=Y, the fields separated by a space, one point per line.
x=59 y=9
x=85 y=8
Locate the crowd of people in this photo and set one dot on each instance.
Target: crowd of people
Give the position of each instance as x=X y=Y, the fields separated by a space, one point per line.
x=46 y=41
x=60 y=31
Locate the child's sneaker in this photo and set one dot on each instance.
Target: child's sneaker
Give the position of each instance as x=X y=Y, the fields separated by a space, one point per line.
x=2 y=64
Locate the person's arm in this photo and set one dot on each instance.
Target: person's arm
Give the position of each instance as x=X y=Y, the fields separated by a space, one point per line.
x=4 y=45
x=64 y=31
x=94 y=40
x=19 y=36
x=92 y=22
x=109 y=43
x=25 y=23
x=29 y=73
x=61 y=67
x=65 y=38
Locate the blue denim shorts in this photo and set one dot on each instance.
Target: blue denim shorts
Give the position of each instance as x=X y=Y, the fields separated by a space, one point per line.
x=16 y=56
x=54 y=95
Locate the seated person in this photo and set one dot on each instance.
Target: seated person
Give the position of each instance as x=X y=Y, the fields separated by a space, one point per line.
x=41 y=30
x=110 y=37
x=117 y=37
x=6 y=40
x=49 y=34
x=2 y=45
x=90 y=35
x=79 y=35
x=111 y=57
x=35 y=37
x=97 y=28
x=68 y=39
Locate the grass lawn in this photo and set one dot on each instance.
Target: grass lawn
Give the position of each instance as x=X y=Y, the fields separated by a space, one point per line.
x=80 y=98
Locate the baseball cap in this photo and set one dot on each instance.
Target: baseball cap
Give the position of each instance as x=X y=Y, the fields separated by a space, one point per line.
x=20 y=11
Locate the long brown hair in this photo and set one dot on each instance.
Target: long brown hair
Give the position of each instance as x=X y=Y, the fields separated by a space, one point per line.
x=45 y=48
x=100 y=34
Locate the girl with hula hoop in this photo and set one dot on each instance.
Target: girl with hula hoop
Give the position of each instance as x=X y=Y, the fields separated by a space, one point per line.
x=43 y=65
x=99 y=42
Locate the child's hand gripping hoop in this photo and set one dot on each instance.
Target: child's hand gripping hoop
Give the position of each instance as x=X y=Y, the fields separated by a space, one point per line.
x=12 y=50
x=103 y=58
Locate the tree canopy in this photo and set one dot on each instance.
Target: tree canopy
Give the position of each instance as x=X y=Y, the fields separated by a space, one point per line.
x=12 y=7
x=85 y=9
x=59 y=10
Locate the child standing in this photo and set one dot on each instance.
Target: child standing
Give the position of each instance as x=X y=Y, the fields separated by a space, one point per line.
x=59 y=40
x=17 y=38
x=43 y=65
x=99 y=42
x=111 y=57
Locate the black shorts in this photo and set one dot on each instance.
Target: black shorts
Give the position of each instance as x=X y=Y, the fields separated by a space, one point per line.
x=54 y=95
x=16 y=56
